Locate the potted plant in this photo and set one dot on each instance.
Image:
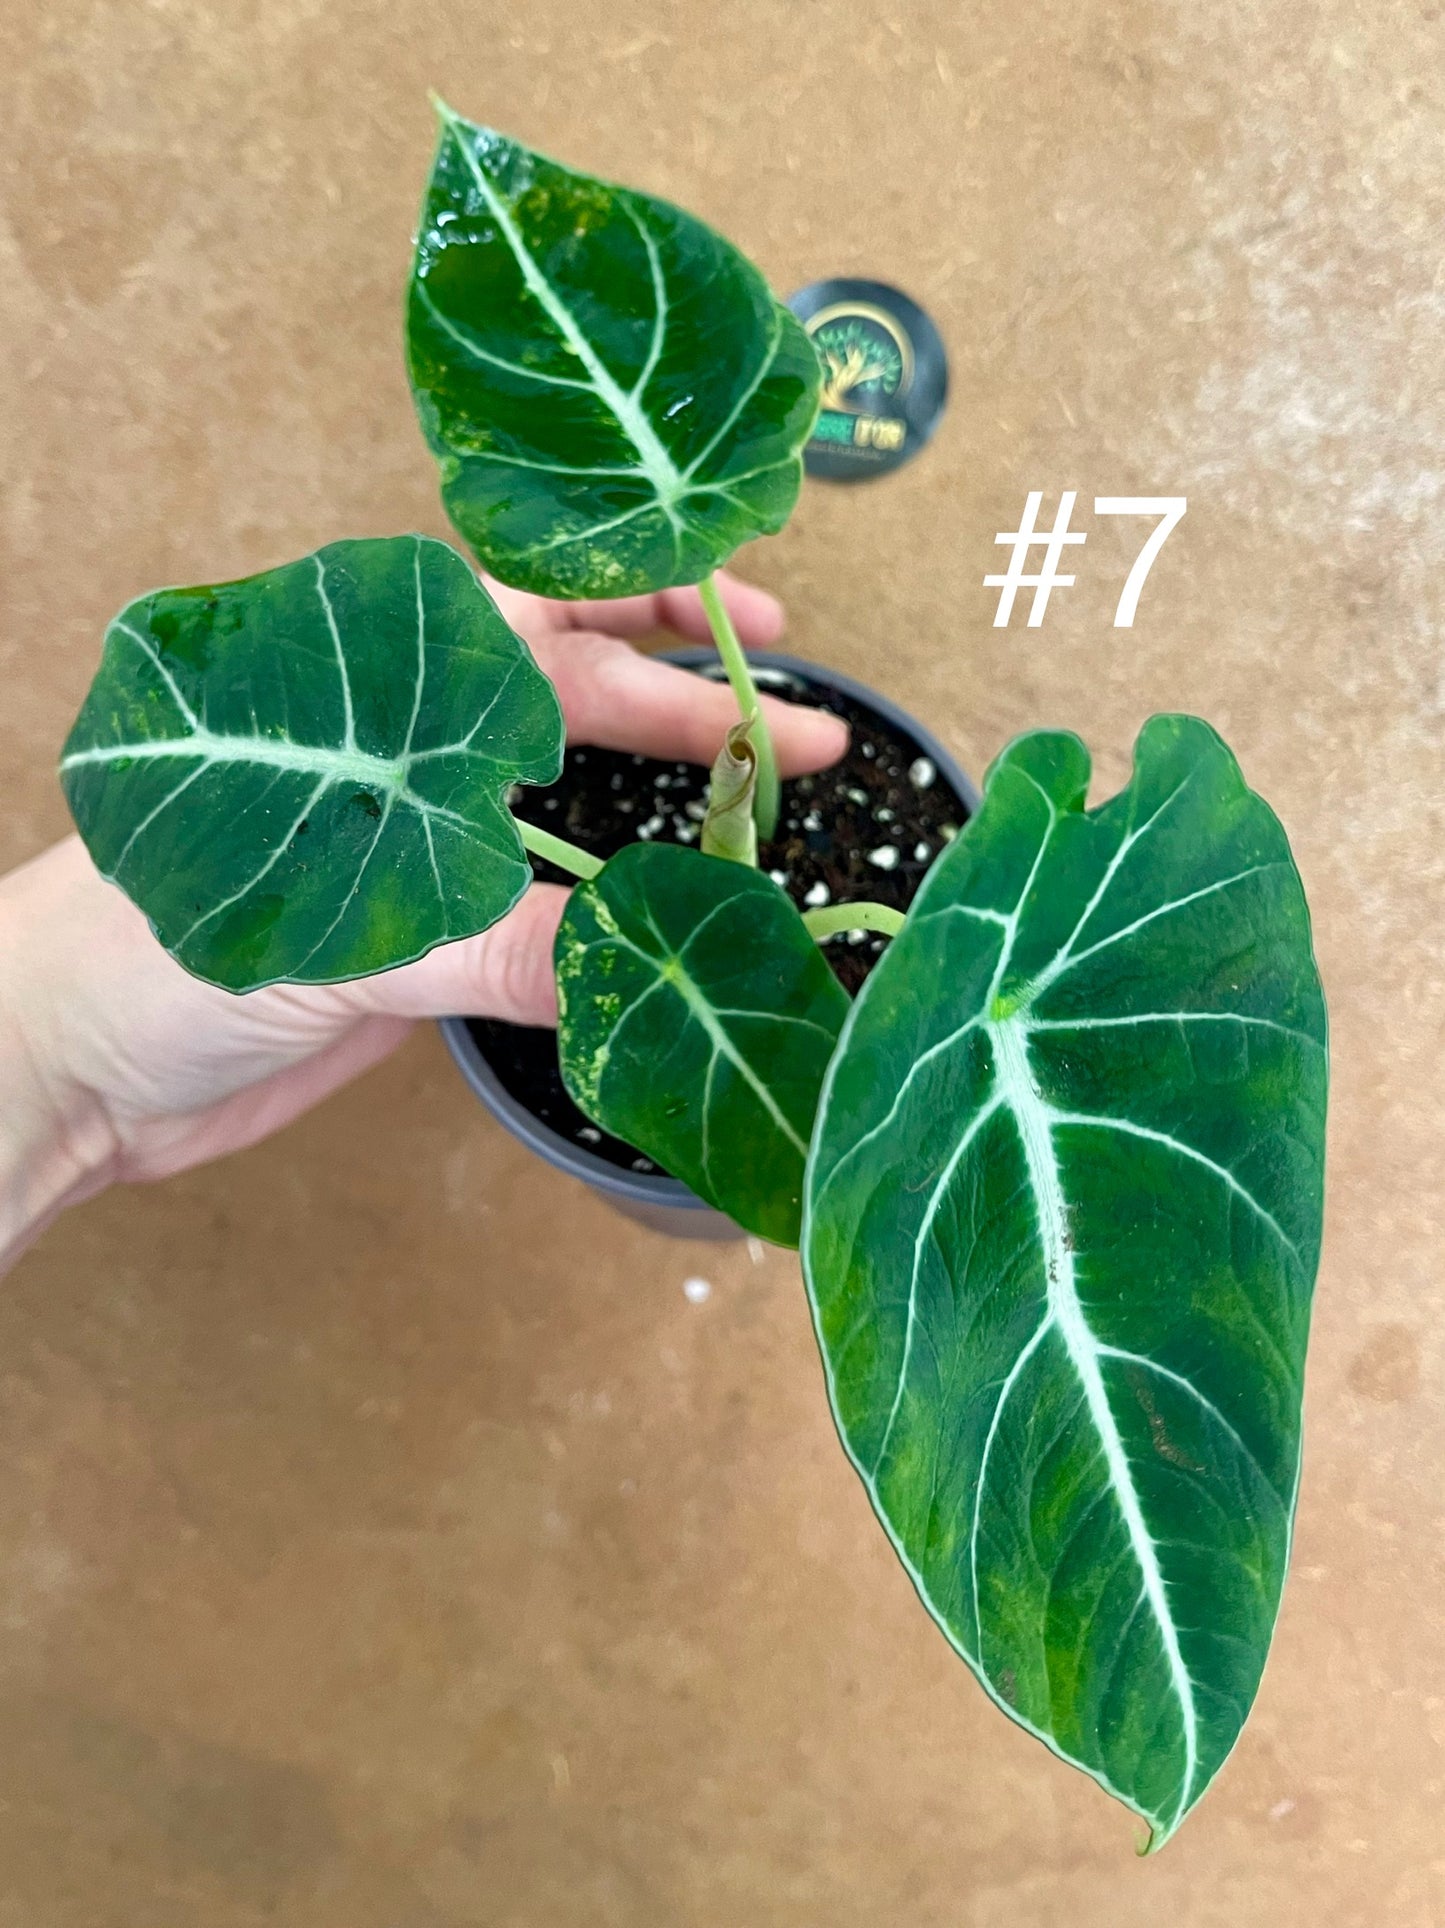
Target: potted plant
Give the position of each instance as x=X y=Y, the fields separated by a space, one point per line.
x=1054 y=1172
x=872 y=823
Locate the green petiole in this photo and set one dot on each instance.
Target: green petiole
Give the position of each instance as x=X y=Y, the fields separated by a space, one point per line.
x=852 y=917
x=735 y=662
x=566 y=856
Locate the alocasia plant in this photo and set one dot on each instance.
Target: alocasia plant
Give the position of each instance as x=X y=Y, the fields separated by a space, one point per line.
x=1056 y=1172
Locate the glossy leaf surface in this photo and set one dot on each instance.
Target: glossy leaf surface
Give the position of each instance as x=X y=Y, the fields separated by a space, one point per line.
x=614 y=396
x=301 y=775
x=697 y=1020
x=1062 y=1228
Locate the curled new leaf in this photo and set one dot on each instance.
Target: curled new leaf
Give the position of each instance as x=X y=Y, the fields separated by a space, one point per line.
x=1063 y=1220
x=728 y=829
x=301 y=775
x=614 y=396
x=697 y=1018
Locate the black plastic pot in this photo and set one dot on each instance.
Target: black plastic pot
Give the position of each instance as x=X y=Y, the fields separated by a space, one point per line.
x=665 y=1204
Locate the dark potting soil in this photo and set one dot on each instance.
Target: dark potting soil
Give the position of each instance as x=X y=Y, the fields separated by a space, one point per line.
x=867 y=828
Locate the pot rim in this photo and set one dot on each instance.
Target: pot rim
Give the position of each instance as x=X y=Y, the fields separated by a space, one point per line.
x=655 y=1188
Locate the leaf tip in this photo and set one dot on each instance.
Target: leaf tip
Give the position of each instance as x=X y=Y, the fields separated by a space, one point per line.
x=1157 y=1834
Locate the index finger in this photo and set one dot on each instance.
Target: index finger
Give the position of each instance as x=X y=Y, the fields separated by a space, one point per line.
x=757 y=615
x=617 y=699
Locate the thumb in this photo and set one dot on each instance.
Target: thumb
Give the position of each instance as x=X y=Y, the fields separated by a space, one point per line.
x=506 y=972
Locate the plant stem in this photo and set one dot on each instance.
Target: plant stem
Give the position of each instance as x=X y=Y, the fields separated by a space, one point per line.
x=852 y=917
x=735 y=662
x=558 y=851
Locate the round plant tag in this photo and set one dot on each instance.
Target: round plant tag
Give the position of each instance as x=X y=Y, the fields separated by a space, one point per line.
x=885 y=377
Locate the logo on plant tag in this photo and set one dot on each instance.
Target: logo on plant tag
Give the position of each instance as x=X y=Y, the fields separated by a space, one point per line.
x=885 y=377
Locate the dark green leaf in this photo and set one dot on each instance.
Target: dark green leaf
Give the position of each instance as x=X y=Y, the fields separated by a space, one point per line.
x=1062 y=1227
x=697 y=1020
x=301 y=775
x=615 y=398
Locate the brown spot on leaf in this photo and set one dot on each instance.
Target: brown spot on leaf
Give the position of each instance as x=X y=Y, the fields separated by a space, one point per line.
x=1164 y=1446
x=1166 y=1449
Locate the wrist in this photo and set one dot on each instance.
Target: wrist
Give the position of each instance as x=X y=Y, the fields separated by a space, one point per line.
x=36 y=1176
x=56 y=1145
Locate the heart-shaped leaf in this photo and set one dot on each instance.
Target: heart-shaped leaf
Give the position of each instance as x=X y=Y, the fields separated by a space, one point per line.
x=301 y=775
x=1063 y=1219
x=615 y=398
x=697 y=1018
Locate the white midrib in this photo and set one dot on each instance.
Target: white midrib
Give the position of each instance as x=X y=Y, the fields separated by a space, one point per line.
x=661 y=469
x=1019 y=1091
x=723 y=1047
x=313 y=759
x=389 y=775
x=672 y=974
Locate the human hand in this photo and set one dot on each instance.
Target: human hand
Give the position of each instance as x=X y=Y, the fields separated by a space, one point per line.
x=115 y=1063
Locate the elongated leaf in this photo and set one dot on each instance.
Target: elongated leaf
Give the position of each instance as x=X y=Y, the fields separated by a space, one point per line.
x=300 y=775
x=615 y=398
x=1063 y=1219
x=697 y=1020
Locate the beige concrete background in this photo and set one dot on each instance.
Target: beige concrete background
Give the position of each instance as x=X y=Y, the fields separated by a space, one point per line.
x=387 y=1541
